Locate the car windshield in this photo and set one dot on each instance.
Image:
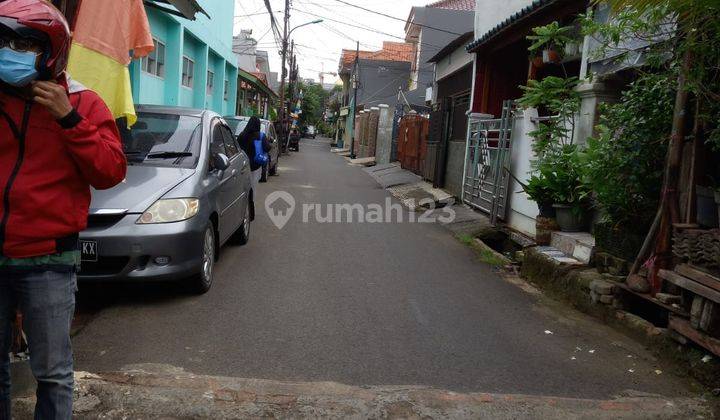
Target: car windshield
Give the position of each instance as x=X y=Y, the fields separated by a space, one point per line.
x=159 y=139
x=237 y=125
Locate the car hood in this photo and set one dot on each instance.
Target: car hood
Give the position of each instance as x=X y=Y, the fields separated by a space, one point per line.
x=142 y=186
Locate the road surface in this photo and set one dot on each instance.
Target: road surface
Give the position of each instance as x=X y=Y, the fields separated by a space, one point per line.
x=362 y=304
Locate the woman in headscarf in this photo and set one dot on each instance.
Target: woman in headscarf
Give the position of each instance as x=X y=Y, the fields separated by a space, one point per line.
x=247 y=143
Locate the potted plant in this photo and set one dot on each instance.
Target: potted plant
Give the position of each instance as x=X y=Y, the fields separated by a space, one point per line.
x=539 y=191
x=571 y=196
x=550 y=40
x=537 y=62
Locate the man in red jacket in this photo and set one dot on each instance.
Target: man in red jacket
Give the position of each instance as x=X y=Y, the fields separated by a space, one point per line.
x=57 y=140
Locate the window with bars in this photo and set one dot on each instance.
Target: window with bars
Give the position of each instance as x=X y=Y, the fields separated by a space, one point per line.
x=188 y=72
x=226 y=90
x=154 y=63
x=210 y=82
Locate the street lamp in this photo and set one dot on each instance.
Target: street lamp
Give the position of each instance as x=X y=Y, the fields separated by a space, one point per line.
x=304 y=24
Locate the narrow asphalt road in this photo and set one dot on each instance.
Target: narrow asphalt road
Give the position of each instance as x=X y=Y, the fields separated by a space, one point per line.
x=362 y=304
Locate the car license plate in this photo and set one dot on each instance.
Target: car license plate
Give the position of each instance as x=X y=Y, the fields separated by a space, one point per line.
x=88 y=251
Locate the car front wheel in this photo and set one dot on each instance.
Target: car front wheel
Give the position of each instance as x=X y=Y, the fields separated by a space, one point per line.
x=203 y=281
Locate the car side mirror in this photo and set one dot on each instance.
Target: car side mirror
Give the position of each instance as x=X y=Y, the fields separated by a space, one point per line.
x=221 y=162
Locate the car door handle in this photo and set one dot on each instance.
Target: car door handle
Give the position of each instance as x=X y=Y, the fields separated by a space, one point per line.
x=234 y=172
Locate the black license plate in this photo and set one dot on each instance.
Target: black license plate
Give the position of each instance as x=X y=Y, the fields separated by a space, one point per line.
x=88 y=251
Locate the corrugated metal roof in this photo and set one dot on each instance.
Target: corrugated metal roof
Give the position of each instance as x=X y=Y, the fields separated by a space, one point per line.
x=526 y=11
x=185 y=8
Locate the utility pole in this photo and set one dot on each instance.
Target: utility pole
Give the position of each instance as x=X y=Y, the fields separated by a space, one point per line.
x=291 y=90
x=355 y=83
x=283 y=53
x=291 y=76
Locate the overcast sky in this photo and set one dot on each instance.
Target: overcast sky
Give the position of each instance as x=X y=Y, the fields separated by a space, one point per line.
x=320 y=44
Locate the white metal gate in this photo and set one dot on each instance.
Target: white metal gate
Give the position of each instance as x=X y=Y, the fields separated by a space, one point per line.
x=486 y=179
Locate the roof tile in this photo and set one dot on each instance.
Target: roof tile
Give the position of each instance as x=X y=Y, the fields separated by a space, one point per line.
x=391 y=51
x=467 y=5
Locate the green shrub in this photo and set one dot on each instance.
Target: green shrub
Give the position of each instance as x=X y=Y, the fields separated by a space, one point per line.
x=625 y=161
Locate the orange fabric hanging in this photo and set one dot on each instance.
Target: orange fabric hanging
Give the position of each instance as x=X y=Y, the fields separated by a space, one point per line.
x=105 y=33
x=114 y=28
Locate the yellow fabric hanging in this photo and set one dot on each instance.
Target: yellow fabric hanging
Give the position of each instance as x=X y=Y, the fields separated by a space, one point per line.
x=109 y=78
x=105 y=33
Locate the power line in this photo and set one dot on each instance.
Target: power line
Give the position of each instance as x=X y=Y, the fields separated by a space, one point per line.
x=253 y=14
x=332 y=11
x=341 y=33
x=396 y=18
x=375 y=94
x=257 y=42
x=273 y=22
x=365 y=28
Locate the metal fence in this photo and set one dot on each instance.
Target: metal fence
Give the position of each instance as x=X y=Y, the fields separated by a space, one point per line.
x=485 y=186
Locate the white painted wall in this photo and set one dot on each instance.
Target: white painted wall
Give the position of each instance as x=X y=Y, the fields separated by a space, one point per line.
x=245 y=47
x=521 y=210
x=489 y=13
x=452 y=63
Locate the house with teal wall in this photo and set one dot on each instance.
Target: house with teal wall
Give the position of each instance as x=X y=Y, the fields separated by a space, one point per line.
x=193 y=64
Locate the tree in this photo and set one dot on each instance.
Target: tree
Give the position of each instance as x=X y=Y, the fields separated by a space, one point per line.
x=314 y=102
x=694 y=42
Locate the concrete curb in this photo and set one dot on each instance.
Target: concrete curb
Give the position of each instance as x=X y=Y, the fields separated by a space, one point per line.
x=572 y=284
x=158 y=391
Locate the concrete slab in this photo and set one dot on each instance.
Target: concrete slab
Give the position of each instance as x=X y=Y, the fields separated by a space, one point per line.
x=397 y=178
x=422 y=191
x=336 y=150
x=580 y=245
x=558 y=255
x=383 y=167
x=386 y=171
x=344 y=154
x=162 y=391
x=363 y=161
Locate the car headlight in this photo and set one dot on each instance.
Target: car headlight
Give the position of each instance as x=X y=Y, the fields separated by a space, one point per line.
x=170 y=210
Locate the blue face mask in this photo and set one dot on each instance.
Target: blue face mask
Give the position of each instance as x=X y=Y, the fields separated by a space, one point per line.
x=17 y=68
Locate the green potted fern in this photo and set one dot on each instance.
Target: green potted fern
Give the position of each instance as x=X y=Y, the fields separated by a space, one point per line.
x=539 y=191
x=564 y=171
x=550 y=40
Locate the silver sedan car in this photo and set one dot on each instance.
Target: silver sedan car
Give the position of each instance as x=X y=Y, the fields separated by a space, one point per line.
x=187 y=192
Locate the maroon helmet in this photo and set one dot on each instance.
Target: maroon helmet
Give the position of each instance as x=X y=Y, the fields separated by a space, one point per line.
x=39 y=20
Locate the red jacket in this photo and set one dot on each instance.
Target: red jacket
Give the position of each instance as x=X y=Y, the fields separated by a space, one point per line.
x=45 y=177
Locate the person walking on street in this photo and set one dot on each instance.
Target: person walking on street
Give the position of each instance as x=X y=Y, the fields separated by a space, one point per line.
x=247 y=139
x=57 y=139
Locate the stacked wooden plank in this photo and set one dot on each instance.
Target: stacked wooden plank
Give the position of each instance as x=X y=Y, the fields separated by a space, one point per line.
x=705 y=310
x=697 y=246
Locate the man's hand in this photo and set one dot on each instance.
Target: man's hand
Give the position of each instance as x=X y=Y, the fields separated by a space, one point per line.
x=53 y=97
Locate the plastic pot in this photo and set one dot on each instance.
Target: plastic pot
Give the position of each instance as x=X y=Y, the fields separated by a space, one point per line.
x=569 y=220
x=550 y=56
x=546 y=210
x=707 y=207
